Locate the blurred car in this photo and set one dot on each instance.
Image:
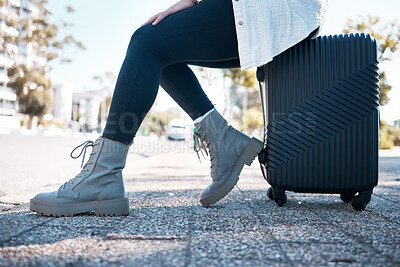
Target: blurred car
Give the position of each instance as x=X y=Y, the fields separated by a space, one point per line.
x=178 y=130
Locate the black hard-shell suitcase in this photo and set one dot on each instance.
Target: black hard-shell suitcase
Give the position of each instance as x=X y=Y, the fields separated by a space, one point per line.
x=320 y=101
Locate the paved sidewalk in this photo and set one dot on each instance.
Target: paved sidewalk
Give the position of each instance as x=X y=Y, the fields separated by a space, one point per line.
x=168 y=227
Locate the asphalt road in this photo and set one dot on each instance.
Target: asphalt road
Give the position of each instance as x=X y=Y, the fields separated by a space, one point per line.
x=168 y=227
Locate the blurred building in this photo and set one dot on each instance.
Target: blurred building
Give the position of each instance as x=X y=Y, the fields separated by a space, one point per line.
x=29 y=53
x=62 y=109
x=11 y=13
x=86 y=109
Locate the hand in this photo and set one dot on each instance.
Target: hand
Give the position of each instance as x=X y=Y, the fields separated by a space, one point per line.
x=181 y=5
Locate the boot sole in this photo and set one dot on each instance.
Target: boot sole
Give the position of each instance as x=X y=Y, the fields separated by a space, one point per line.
x=113 y=207
x=248 y=155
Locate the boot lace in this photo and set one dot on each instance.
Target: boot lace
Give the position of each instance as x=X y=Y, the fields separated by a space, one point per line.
x=199 y=146
x=84 y=146
x=201 y=143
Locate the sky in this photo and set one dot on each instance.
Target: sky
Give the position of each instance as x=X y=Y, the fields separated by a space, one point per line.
x=105 y=28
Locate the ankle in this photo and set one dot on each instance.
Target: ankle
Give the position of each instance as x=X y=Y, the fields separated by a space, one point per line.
x=199 y=119
x=112 y=140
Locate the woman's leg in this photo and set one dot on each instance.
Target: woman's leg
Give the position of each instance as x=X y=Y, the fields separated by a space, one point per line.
x=181 y=84
x=203 y=33
x=228 y=148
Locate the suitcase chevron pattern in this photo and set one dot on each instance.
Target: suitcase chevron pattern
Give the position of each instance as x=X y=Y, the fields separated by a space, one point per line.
x=322 y=113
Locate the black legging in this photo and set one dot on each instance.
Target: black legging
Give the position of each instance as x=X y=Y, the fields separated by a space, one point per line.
x=202 y=35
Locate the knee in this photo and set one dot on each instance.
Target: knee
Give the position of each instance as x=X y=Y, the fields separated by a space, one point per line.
x=142 y=38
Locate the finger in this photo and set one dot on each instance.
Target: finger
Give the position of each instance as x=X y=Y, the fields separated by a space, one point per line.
x=162 y=16
x=151 y=19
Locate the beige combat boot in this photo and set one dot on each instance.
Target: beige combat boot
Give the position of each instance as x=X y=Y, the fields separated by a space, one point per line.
x=229 y=150
x=98 y=187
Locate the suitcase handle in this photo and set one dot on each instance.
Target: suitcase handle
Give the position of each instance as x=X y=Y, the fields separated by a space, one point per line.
x=264 y=94
x=260 y=74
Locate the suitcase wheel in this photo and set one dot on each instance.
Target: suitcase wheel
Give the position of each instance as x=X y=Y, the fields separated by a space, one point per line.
x=280 y=202
x=270 y=193
x=278 y=195
x=347 y=197
x=361 y=201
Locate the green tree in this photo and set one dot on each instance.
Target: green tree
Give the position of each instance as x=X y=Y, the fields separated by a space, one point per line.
x=244 y=94
x=384 y=89
x=388 y=37
x=40 y=36
x=389 y=136
x=33 y=91
x=255 y=119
